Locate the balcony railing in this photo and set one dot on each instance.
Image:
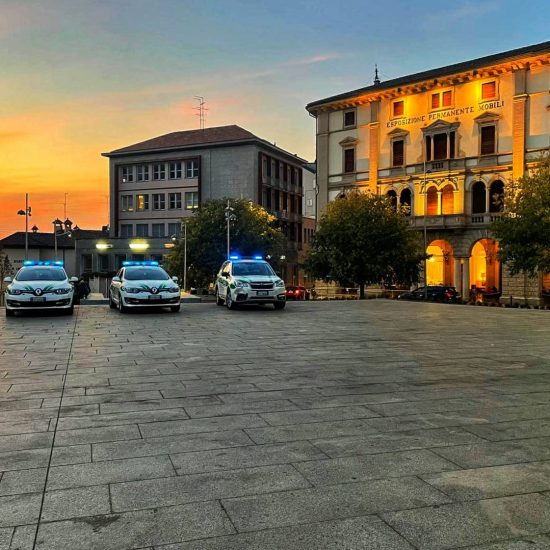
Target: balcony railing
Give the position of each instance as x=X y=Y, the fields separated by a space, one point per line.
x=452 y=221
x=478 y=219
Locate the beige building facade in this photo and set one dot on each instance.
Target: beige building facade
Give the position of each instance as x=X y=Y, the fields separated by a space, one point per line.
x=444 y=145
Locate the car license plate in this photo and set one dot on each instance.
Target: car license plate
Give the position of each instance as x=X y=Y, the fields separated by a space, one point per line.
x=40 y=299
x=262 y=293
x=155 y=297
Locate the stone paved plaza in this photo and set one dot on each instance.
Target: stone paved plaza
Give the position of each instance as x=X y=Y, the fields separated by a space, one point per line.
x=371 y=425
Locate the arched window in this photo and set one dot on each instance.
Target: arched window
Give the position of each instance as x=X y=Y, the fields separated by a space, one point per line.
x=478 y=198
x=431 y=201
x=496 y=196
x=447 y=200
x=392 y=195
x=405 y=200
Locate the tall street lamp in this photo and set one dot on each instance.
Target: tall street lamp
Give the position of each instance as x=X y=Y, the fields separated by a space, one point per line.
x=65 y=228
x=229 y=216
x=26 y=213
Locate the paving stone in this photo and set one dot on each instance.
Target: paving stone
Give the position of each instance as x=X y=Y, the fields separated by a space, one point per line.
x=513 y=430
x=329 y=503
x=242 y=408
x=206 y=486
x=96 y=435
x=23 y=481
x=19 y=509
x=25 y=441
x=5 y=538
x=317 y=415
x=78 y=502
x=244 y=457
x=377 y=466
x=366 y=533
x=136 y=529
x=97 y=473
x=170 y=444
x=151 y=404
x=471 y=523
x=531 y=543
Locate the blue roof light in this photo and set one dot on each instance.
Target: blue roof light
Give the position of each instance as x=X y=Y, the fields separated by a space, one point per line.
x=130 y=263
x=258 y=257
x=234 y=257
x=28 y=263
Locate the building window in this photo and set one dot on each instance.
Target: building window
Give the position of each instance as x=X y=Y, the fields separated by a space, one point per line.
x=487 y=136
x=175 y=170
x=398 y=108
x=264 y=169
x=126 y=230
x=398 y=152
x=191 y=169
x=142 y=202
x=174 y=229
x=405 y=201
x=159 y=201
x=392 y=196
x=496 y=196
x=127 y=174
x=127 y=203
x=191 y=200
x=142 y=229
x=488 y=90
x=143 y=172
x=441 y=100
x=441 y=146
x=159 y=171
x=349 y=118
x=349 y=160
x=86 y=263
x=158 y=230
x=103 y=262
x=479 y=198
x=119 y=258
x=431 y=201
x=447 y=200
x=174 y=201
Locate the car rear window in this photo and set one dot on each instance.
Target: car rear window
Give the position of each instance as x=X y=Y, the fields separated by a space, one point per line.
x=41 y=274
x=145 y=273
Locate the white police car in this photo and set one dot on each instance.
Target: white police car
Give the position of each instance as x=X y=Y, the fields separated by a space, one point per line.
x=40 y=285
x=249 y=281
x=143 y=284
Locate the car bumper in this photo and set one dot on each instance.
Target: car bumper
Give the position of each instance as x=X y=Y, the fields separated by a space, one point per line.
x=252 y=297
x=25 y=305
x=141 y=300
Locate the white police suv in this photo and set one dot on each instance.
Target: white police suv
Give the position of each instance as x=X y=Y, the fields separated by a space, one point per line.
x=249 y=281
x=143 y=284
x=40 y=285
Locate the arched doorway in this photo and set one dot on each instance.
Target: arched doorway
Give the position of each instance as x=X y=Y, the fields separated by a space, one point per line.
x=405 y=200
x=478 y=198
x=431 y=201
x=485 y=265
x=440 y=263
x=496 y=196
x=392 y=195
x=447 y=200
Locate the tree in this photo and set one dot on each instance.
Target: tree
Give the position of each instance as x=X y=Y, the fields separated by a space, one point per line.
x=363 y=239
x=252 y=232
x=523 y=231
x=6 y=269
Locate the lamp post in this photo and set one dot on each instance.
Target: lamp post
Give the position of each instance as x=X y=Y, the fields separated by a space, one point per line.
x=26 y=213
x=229 y=216
x=67 y=225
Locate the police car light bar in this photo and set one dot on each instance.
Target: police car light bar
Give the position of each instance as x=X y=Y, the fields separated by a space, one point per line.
x=235 y=257
x=128 y=263
x=258 y=257
x=28 y=263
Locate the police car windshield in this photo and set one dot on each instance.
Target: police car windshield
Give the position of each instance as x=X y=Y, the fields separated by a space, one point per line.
x=145 y=273
x=41 y=274
x=252 y=268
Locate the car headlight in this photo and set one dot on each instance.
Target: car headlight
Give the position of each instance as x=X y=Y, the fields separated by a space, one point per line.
x=13 y=291
x=130 y=290
x=280 y=283
x=62 y=290
x=173 y=289
x=241 y=284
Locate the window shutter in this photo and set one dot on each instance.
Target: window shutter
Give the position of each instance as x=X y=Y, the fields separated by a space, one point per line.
x=488 y=140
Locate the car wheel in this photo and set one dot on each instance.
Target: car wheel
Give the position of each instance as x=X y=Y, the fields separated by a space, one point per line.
x=279 y=305
x=229 y=301
x=121 y=307
x=175 y=309
x=112 y=303
x=10 y=312
x=219 y=299
x=69 y=311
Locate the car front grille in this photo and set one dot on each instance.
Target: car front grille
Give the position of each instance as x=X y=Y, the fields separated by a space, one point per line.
x=261 y=286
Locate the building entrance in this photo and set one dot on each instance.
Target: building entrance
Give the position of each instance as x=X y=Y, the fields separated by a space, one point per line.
x=440 y=263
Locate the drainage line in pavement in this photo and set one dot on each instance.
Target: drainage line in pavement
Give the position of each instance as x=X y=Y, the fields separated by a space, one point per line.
x=54 y=434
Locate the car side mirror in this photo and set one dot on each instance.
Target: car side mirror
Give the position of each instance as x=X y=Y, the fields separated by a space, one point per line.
x=73 y=280
x=175 y=279
x=116 y=279
x=8 y=279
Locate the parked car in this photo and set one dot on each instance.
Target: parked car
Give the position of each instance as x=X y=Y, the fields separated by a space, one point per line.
x=439 y=293
x=297 y=293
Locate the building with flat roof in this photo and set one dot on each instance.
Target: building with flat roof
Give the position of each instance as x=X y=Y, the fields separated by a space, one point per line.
x=443 y=144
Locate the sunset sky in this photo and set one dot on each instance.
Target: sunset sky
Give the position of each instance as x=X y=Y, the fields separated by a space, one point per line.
x=83 y=77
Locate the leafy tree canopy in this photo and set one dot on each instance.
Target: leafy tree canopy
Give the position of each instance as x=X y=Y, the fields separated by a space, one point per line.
x=362 y=239
x=524 y=230
x=252 y=232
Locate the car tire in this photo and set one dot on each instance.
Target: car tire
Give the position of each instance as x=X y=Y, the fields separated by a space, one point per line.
x=69 y=311
x=279 y=305
x=10 y=313
x=229 y=301
x=219 y=300
x=121 y=307
x=175 y=309
x=112 y=303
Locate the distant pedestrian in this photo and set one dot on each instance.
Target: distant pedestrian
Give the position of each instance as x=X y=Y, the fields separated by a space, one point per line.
x=82 y=289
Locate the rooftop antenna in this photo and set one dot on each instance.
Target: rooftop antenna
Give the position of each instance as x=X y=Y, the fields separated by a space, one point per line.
x=376 y=78
x=201 y=110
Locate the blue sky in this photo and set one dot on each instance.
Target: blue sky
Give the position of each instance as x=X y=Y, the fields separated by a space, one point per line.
x=82 y=77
